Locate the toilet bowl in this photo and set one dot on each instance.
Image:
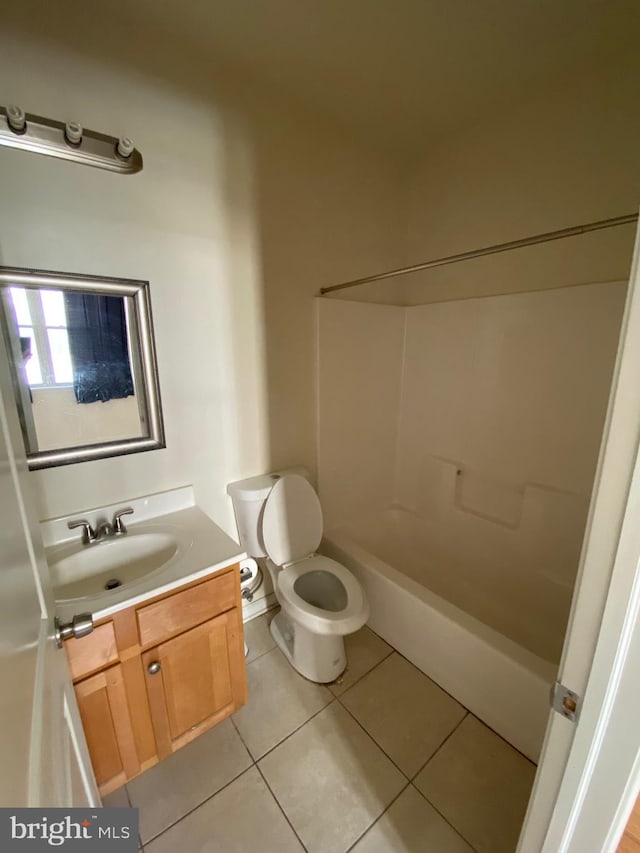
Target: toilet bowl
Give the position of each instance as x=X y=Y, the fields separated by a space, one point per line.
x=279 y=517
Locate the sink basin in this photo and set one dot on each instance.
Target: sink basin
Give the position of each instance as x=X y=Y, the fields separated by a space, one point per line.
x=80 y=571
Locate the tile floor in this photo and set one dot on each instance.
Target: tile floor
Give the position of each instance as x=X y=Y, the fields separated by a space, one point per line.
x=382 y=762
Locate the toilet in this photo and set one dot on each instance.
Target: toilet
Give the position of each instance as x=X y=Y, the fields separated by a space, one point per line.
x=279 y=517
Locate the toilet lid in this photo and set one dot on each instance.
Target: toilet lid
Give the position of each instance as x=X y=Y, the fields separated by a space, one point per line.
x=291 y=520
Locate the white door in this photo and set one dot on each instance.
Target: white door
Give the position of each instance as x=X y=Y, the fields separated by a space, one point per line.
x=44 y=759
x=589 y=772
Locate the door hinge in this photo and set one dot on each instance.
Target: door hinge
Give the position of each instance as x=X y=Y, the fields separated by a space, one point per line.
x=80 y=626
x=565 y=702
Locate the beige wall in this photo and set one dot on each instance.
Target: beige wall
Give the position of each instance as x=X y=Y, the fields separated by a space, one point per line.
x=565 y=157
x=327 y=212
x=245 y=207
x=359 y=386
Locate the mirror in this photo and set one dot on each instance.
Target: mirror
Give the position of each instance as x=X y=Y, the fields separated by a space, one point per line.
x=83 y=364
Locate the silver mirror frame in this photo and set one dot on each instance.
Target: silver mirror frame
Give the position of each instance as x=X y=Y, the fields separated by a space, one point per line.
x=102 y=285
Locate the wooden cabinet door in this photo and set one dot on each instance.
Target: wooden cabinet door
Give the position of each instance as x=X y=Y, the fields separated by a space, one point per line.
x=195 y=680
x=104 y=711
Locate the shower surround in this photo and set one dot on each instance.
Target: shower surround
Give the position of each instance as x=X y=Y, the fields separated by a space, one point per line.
x=457 y=448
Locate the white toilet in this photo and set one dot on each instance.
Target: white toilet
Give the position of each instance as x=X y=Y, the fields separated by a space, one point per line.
x=279 y=517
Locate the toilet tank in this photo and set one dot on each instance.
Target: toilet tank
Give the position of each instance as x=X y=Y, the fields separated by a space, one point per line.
x=248 y=497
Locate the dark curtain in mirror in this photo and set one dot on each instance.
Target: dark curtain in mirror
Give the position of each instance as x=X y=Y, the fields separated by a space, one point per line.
x=98 y=346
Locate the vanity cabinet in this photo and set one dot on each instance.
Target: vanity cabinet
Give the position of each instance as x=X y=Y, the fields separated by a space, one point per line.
x=103 y=705
x=155 y=675
x=191 y=681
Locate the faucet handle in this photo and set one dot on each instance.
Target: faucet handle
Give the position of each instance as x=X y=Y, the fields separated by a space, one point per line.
x=118 y=526
x=88 y=533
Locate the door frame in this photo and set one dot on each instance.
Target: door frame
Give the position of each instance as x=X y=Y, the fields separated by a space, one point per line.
x=602 y=778
x=589 y=772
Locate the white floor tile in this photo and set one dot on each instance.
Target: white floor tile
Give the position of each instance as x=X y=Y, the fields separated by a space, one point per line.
x=117 y=799
x=280 y=700
x=242 y=818
x=481 y=785
x=411 y=825
x=183 y=780
x=331 y=780
x=405 y=712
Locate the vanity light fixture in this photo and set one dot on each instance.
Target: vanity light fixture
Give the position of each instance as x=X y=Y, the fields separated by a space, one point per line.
x=16 y=118
x=69 y=141
x=125 y=147
x=73 y=132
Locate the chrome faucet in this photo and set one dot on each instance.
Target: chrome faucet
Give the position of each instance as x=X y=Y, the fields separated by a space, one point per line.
x=88 y=533
x=105 y=529
x=118 y=525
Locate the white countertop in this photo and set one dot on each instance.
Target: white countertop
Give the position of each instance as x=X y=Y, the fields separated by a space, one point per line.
x=208 y=550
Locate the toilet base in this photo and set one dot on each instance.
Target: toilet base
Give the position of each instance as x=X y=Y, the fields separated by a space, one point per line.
x=318 y=657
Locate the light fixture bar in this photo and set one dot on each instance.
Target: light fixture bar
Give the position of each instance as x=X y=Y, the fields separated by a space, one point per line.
x=68 y=142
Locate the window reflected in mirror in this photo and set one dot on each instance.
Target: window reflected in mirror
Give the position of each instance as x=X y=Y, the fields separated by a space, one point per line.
x=83 y=361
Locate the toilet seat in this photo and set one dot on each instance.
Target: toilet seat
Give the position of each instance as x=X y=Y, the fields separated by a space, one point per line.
x=320 y=621
x=291 y=520
x=291 y=532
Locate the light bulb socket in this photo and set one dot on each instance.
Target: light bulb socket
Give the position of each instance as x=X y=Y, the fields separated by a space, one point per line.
x=73 y=132
x=125 y=147
x=16 y=118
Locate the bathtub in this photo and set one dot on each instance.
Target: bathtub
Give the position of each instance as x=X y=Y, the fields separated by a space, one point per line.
x=493 y=643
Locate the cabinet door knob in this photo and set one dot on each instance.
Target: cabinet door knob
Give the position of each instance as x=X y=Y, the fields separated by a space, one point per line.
x=154 y=667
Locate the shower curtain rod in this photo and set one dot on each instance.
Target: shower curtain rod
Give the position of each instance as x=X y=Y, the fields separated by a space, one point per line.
x=490 y=250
